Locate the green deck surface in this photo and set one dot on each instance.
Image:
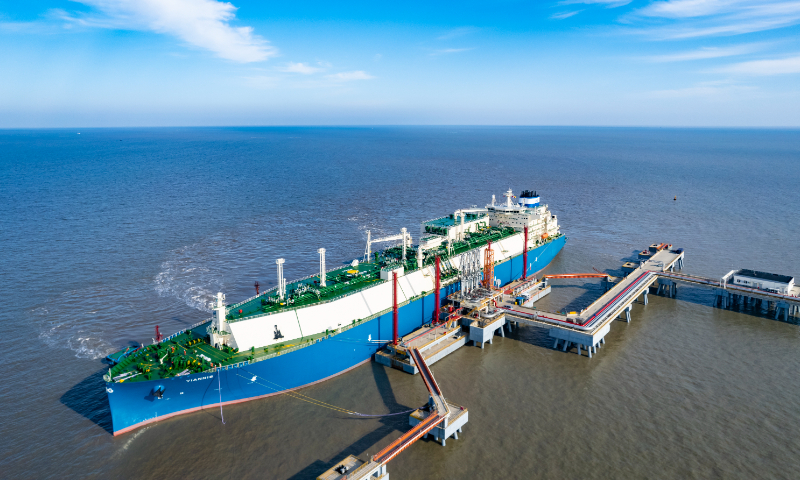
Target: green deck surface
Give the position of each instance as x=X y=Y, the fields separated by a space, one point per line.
x=184 y=352
x=341 y=281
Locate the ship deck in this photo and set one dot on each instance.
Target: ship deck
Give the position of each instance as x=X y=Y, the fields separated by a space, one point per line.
x=349 y=279
x=189 y=352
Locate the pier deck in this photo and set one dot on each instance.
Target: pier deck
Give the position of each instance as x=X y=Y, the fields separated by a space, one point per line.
x=589 y=327
x=491 y=310
x=448 y=417
x=434 y=343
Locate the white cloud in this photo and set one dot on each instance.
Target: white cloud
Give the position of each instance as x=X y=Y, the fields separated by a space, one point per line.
x=446 y=51
x=563 y=15
x=202 y=23
x=607 y=3
x=781 y=66
x=303 y=68
x=457 y=32
x=347 y=76
x=707 y=53
x=707 y=90
x=687 y=8
x=702 y=18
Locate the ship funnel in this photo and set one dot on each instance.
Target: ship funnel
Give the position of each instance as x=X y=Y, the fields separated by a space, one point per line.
x=529 y=199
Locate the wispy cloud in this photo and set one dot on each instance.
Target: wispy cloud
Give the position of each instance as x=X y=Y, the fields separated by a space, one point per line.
x=688 y=8
x=607 y=3
x=708 y=90
x=20 y=27
x=706 y=53
x=457 y=32
x=447 y=51
x=206 y=24
x=682 y=19
x=348 y=76
x=563 y=15
x=51 y=21
x=302 y=68
x=767 y=67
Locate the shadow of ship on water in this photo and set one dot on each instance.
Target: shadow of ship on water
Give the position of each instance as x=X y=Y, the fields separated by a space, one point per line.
x=88 y=398
x=388 y=425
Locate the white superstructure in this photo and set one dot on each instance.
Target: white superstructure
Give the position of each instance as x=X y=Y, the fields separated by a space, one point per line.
x=527 y=211
x=770 y=282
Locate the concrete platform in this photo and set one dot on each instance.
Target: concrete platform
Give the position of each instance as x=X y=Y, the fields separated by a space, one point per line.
x=483 y=330
x=355 y=468
x=434 y=343
x=536 y=295
x=450 y=427
x=590 y=341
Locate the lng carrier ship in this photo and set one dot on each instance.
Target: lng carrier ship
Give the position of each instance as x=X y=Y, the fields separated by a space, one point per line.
x=309 y=330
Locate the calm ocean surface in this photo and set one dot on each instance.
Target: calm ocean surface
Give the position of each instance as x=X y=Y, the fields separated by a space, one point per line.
x=107 y=233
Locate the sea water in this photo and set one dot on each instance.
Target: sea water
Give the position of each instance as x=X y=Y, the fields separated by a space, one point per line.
x=107 y=233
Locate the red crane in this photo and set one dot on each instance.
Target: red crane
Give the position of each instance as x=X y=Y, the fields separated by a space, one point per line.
x=525 y=256
x=394 y=308
x=438 y=302
x=488 y=266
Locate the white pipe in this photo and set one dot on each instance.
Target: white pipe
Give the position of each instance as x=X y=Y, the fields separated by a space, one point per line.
x=321 y=252
x=403 y=233
x=281 y=281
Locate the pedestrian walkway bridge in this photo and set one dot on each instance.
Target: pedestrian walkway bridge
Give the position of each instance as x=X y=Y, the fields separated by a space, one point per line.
x=439 y=415
x=486 y=311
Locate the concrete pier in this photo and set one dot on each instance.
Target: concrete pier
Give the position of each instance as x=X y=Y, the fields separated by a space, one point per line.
x=731 y=296
x=483 y=330
x=434 y=342
x=459 y=416
x=484 y=312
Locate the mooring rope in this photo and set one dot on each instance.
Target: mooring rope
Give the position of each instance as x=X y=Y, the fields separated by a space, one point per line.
x=320 y=403
x=219 y=384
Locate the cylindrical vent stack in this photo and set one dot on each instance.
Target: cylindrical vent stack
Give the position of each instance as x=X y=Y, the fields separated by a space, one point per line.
x=403 y=234
x=281 y=281
x=394 y=308
x=219 y=306
x=321 y=252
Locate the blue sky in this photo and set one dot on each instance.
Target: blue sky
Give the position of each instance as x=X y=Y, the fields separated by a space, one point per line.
x=571 y=62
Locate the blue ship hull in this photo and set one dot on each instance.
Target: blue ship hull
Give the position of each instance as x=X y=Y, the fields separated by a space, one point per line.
x=135 y=404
